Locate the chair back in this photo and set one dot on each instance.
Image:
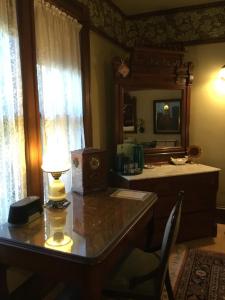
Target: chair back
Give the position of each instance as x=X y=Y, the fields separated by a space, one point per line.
x=169 y=239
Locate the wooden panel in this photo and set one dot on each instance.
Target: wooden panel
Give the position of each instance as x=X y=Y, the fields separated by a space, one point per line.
x=197 y=225
x=164 y=206
x=30 y=97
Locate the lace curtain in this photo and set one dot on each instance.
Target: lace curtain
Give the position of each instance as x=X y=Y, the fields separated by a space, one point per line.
x=59 y=84
x=12 y=147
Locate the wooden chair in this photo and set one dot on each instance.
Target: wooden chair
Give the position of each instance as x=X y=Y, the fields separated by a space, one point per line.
x=142 y=275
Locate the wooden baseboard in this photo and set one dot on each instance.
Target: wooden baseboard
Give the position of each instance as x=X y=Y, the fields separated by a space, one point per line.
x=220 y=216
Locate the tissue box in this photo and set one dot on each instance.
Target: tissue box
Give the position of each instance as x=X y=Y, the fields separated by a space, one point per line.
x=25 y=210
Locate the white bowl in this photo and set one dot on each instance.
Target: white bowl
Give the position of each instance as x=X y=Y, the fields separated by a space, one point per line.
x=180 y=160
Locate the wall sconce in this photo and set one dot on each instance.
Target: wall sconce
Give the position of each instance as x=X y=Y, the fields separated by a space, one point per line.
x=56 y=191
x=222 y=73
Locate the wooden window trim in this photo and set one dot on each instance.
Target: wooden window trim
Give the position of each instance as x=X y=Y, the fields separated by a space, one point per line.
x=30 y=97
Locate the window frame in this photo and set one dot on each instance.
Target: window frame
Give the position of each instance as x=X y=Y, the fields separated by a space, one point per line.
x=26 y=28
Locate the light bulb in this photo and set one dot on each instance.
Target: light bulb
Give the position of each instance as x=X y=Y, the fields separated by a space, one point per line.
x=222 y=73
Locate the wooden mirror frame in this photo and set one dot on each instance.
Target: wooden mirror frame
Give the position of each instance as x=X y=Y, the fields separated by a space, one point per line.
x=151 y=68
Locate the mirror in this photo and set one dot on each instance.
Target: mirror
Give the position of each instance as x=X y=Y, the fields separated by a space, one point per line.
x=156 y=123
x=152 y=103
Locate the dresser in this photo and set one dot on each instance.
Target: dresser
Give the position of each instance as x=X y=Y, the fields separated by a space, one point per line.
x=200 y=184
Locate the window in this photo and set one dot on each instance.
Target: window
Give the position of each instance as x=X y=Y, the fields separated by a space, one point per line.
x=12 y=145
x=22 y=79
x=59 y=84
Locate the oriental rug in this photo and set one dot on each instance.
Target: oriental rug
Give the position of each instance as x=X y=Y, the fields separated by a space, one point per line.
x=202 y=276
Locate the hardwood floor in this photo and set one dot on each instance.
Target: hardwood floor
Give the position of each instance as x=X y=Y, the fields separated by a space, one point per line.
x=214 y=244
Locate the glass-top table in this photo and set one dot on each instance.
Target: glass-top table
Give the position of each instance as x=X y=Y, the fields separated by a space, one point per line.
x=93 y=231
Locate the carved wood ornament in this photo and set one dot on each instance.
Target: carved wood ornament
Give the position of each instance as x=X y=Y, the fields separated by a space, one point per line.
x=159 y=63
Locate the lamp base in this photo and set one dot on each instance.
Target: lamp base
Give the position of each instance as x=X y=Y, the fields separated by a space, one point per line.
x=57 y=204
x=56 y=191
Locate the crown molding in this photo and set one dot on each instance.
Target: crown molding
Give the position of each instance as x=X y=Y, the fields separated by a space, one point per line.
x=166 y=11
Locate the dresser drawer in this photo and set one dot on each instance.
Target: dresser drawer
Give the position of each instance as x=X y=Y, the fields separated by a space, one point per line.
x=193 y=202
x=193 y=226
x=171 y=185
x=197 y=225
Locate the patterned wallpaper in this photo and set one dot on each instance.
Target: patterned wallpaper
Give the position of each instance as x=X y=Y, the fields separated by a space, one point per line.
x=106 y=19
x=192 y=26
x=197 y=25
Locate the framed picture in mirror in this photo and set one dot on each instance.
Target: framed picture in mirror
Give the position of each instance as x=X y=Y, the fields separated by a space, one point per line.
x=167 y=116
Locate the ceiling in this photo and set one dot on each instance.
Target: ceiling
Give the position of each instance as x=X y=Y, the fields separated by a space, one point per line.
x=133 y=7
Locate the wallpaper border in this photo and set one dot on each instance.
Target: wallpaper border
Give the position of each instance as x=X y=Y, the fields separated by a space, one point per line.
x=190 y=25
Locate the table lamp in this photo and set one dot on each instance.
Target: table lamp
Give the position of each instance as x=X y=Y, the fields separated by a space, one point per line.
x=56 y=190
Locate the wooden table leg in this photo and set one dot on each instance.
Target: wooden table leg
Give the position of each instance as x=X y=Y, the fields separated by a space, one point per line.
x=88 y=291
x=4 y=292
x=150 y=233
x=93 y=293
x=92 y=286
